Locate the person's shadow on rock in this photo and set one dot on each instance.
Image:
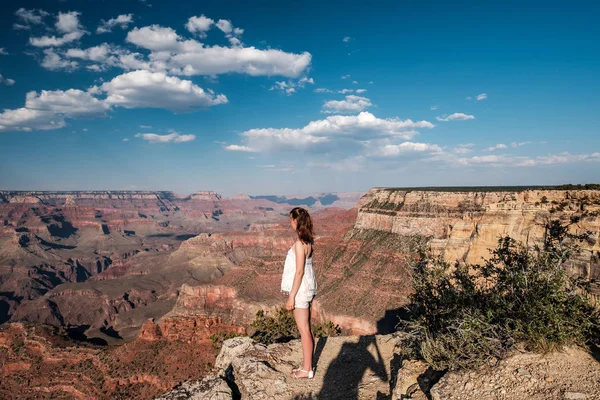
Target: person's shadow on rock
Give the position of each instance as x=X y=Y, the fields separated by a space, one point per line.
x=346 y=371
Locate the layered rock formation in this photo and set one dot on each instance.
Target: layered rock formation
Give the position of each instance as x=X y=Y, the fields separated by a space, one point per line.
x=464 y=225
x=371 y=367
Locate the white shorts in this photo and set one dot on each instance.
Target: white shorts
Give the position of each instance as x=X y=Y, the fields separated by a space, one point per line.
x=302 y=300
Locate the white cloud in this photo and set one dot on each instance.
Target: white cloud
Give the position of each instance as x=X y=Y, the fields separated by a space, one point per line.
x=522 y=161
x=53 y=41
x=70 y=103
x=66 y=23
x=344 y=91
x=225 y=26
x=499 y=146
x=355 y=128
x=359 y=91
x=199 y=25
x=122 y=21
x=519 y=144
x=235 y=147
x=21 y=27
x=346 y=39
x=53 y=61
x=172 y=137
x=97 y=53
x=144 y=89
x=346 y=76
x=171 y=53
x=6 y=81
x=24 y=119
x=31 y=16
x=406 y=148
x=126 y=139
x=433 y=108
x=323 y=90
x=3 y=52
x=290 y=86
x=463 y=148
x=355 y=82
x=481 y=96
x=350 y=104
x=456 y=117
x=145 y=126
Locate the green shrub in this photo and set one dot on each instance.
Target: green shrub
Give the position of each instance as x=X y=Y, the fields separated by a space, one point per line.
x=282 y=327
x=469 y=314
x=218 y=338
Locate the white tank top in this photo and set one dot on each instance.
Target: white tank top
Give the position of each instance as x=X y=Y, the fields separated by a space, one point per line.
x=308 y=285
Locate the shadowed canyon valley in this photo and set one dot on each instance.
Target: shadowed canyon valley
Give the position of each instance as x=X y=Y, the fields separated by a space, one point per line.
x=116 y=294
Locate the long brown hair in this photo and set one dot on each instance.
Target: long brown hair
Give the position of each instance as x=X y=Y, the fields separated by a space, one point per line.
x=304 y=228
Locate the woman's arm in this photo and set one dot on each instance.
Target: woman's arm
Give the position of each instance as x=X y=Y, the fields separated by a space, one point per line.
x=299 y=250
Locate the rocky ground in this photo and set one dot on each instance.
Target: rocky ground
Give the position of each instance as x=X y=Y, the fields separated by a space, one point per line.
x=369 y=367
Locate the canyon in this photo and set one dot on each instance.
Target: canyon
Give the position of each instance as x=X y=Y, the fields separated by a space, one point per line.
x=122 y=272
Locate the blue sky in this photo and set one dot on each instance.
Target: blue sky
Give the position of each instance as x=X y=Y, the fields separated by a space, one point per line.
x=297 y=97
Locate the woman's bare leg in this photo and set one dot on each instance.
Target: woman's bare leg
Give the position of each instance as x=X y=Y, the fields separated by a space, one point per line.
x=301 y=315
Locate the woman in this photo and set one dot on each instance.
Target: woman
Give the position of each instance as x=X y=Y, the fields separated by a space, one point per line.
x=298 y=282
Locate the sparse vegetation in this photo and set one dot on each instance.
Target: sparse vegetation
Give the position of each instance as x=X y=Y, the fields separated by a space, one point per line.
x=466 y=315
x=218 y=338
x=282 y=327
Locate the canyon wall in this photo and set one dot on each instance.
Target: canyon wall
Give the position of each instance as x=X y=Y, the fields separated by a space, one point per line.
x=464 y=225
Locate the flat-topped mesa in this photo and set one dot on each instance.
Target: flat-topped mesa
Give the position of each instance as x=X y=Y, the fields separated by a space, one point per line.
x=206 y=195
x=240 y=196
x=463 y=225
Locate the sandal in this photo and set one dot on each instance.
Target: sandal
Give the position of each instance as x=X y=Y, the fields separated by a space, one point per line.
x=311 y=373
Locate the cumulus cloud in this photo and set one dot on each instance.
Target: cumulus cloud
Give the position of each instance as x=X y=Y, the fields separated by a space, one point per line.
x=499 y=146
x=433 y=108
x=139 y=89
x=519 y=144
x=346 y=39
x=350 y=104
x=6 y=81
x=346 y=76
x=3 y=52
x=225 y=26
x=47 y=110
x=97 y=53
x=481 y=96
x=364 y=126
x=53 y=61
x=359 y=91
x=145 y=89
x=455 y=117
x=24 y=119
x=34 y=17
x=172 y=53
x=70 y=103
x=121 y=21
x=66 y=23
x=199 y=25
x=323 y=90
x=172 y=137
